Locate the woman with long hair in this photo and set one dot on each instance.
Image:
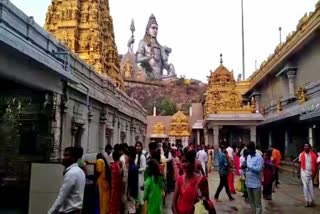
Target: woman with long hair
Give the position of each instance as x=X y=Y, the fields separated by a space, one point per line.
x=141 y=163
x=154 y=188
x=186 y=188
x=116 y=183
x=103 y=183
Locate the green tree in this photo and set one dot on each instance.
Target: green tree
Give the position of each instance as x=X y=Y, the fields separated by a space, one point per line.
x=167 y=107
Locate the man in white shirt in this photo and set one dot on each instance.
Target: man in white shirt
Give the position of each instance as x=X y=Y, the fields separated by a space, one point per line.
x=71 y=193
x=203 y=158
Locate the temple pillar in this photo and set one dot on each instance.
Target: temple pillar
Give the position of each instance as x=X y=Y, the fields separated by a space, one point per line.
x=206 y=137
x=216 y=146
x=310 y=136
x=115 y=132
x=286 y=143
x=253 y=134
x=269 y=139
x=291 y=76
x=257 y=102
x=56 y=128
x=216 y=137
x=102 y=136
x=198 y=136
x=132 y=136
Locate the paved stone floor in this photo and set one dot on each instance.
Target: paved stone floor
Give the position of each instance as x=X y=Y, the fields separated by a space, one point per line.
x=287 y=199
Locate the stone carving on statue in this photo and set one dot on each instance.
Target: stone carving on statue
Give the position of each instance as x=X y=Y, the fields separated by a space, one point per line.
x=98 y=66
x=151 y=55
x=85 y=14
x=131 y=40
x=127 y=69
x=165 y=56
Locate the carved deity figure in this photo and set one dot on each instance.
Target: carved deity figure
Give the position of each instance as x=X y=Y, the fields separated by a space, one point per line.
x=127 y=69
x=151 y=55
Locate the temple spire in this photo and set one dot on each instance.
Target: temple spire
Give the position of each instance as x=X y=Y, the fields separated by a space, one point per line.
x=221 y=60
x=79 y=25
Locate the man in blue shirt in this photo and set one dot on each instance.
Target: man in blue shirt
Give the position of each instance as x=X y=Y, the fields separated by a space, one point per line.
x=253 y=169
x=223 y=172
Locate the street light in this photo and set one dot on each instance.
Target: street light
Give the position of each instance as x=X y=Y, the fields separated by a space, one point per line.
x=242 y=29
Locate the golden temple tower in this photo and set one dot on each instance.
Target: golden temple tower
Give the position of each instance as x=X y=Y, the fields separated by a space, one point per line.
x=86 y=27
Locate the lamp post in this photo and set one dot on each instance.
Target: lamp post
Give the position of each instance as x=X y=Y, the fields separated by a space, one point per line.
x=242 y=31
x=280 y=35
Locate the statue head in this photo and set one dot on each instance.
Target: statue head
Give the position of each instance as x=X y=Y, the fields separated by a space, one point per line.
x=152 y=26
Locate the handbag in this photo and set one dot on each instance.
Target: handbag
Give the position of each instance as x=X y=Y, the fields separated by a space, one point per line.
x=199 y=208
x=239 y=185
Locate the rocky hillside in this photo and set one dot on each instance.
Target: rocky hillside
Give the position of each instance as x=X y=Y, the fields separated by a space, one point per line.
x=168 y=95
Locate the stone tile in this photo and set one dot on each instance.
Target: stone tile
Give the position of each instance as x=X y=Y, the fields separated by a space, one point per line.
x=287 y=199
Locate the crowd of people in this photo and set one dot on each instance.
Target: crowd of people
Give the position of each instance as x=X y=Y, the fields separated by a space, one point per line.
x=129 y=179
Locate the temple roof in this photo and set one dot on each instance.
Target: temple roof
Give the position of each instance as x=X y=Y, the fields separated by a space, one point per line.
x=308 y=24
x=221 y=75
x=179 y=118
x=179 y=125
x=224 y=94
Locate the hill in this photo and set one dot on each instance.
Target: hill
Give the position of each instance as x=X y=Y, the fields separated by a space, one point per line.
x=168 y=95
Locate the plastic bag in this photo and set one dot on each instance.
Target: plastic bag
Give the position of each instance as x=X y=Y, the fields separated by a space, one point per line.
x=240 y=185
x=199 y=208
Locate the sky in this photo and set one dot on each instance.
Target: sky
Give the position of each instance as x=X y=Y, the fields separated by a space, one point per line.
x=198 y=31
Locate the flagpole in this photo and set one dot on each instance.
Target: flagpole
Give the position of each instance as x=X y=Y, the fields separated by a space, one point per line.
x=242 y=30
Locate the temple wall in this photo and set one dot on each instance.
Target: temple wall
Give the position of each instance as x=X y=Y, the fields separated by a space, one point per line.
x=308 y=62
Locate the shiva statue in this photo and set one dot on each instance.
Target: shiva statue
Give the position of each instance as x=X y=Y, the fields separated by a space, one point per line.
x=151 y=55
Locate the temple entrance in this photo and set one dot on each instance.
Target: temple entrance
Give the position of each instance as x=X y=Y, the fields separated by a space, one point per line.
x=234 y=135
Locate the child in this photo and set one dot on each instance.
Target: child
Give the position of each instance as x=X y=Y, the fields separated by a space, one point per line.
x=154 y=188
x=268 y=175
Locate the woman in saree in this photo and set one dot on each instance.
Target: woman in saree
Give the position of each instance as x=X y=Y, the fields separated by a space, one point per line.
x=103 y=183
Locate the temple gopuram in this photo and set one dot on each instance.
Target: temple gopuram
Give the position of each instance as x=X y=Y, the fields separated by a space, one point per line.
x=87 y=29
x=277 y=105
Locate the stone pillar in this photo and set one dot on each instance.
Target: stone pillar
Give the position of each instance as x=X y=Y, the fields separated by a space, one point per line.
x=198 y=136
x=216 y=146
x=115 y=132
x=132 y=136
x=55 y=154
x=206 y=137
x=253 y=134
x=310 y=136
x=291 y=76
x=154 y=109
x=102 y=136
x=269 y=139
x=216 y=137
x=286 y=143
x=257 y=102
